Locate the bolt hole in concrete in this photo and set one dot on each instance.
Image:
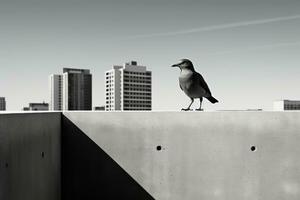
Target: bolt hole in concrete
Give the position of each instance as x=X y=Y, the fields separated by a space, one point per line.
x=6 y=165
x=43 y=154
x=253 y=148
x=158 y=148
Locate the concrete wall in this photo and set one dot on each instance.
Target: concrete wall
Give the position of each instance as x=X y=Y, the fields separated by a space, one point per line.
x=30 y=156
x=146 y=155
x=201 y=155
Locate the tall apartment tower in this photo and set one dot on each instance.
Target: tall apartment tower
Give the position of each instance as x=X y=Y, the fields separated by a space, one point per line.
x=77 y=89
x=128 y=87
x=71 y=90
x=55 y=81
x=2 y=104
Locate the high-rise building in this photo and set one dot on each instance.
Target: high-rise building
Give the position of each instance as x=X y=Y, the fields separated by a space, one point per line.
x=128 y=87
x=2 y=104
x=282 y=105
x=56 y=82
x=77 y=89
x=71 y=90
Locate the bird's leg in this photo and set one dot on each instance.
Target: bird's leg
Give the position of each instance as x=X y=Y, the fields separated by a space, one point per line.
x=188 y=108
x=200 y=109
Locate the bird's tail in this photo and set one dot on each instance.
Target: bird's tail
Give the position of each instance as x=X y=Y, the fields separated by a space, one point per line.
x=212 y=99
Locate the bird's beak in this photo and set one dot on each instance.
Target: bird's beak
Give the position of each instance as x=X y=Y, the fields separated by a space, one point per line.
x=175 y=65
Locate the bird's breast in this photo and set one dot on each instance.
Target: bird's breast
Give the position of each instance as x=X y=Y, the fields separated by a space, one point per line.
x=191 y=86
x=185 y=76
x=185 y=81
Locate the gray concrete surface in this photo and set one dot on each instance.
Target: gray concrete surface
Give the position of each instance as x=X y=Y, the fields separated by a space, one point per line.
x=203 y=155
x=30 y=156
x=172 y=155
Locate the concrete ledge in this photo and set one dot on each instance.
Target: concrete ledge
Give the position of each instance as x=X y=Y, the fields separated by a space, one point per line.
x=160 y=155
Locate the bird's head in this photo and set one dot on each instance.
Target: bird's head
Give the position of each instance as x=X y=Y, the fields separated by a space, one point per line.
x=185 y=64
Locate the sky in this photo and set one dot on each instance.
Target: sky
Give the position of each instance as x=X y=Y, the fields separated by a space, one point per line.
x=248 y=51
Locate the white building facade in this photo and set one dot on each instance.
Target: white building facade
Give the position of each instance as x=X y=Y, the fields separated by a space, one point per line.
x=128 y=87
x=282 y=105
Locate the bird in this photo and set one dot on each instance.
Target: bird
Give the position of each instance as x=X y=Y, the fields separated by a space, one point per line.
x=193 y=84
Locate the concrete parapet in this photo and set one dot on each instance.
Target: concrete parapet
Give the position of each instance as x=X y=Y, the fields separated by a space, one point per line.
x=150 y=155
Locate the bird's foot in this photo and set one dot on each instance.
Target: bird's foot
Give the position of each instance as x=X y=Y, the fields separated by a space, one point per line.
x=186 y=109
x=199 y=109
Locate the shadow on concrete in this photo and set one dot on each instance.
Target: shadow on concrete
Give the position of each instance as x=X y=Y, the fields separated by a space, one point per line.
x=89 y=173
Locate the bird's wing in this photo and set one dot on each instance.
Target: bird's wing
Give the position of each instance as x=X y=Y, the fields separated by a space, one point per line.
x=202 y=82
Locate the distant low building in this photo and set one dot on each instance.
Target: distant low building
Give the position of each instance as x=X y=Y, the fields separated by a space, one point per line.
x=37 y=107
x=2 y=104
x=254 y=109
x=250 y=109
x=282 y=105
x=99 y=108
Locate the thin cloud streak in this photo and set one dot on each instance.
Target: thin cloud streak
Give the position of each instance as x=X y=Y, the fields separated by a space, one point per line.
x=253 y=48
x=218 y=27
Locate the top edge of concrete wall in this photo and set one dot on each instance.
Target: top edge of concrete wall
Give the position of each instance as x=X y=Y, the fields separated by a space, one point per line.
x=156 y=111
x=27 y=112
